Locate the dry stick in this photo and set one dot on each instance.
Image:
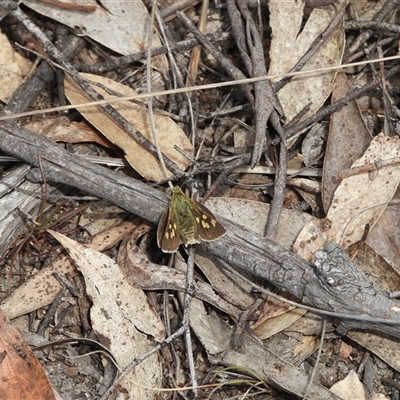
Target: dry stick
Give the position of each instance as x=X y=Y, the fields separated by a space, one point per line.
x=279 y=194
x=51 y=311
x=176 y=5
x=138 y=360
x=328 y=110
x=27 y=92
x=229 y=68
x=260 y=110
x=192 y=72
x=384 y=26
x=186 y=315
x=53 y=52
x=226 y=111
x=190 y=264
x=150 y=100
x=309 y=387
x=273 y=218
x=226 y=169
x=266 y=107
x=190 y=89
x=387 y=125
x=367 y=168
x=185 y=321
x=386 y=9
x=125 y=61
x=195 y=56
x=211 y=244
x=23 y=97
x=263 y=113
x=266 y=102
x=320 y=312
x=368 y=380
x=370 y=48
x=292 y=132
x=242 y=248
x=178 y=77
x=56 y=56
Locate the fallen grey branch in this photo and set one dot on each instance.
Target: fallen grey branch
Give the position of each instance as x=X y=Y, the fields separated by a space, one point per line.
x=240 y=247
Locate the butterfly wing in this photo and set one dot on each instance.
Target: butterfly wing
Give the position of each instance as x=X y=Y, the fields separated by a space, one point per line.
x=186 y=221
x=168 y=238
x=208 y=228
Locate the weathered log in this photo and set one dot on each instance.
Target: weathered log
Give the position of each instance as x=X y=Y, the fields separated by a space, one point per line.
x=326 y=286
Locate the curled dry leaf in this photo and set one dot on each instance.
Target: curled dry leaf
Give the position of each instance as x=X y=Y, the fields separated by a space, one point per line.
x=169 y=133
x=22 y=376
x=119 y=315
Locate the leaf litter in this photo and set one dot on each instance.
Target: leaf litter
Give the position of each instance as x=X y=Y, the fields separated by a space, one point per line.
x=350 y=204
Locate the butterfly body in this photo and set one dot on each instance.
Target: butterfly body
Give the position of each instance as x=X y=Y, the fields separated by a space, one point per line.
x=186 y=221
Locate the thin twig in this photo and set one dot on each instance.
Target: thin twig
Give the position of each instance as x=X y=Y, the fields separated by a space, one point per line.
x=190 y=264
x=125 y=61
x=312 y=377
x=150 y=99
x=196 y=88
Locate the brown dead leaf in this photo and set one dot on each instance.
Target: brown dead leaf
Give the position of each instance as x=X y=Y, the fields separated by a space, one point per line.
x=253 y=215
x=41 y=289
x=306 y=347
x=347 y=140
x=379 y=271
x=61 y=129
x=120 y=316
x=385 y=348
x=169 y=133
x=226 y=284
x=272 y=308
x=272 y=326
x=345 y=349
x=21 y=375
x=312 y=238
x=13 y=69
